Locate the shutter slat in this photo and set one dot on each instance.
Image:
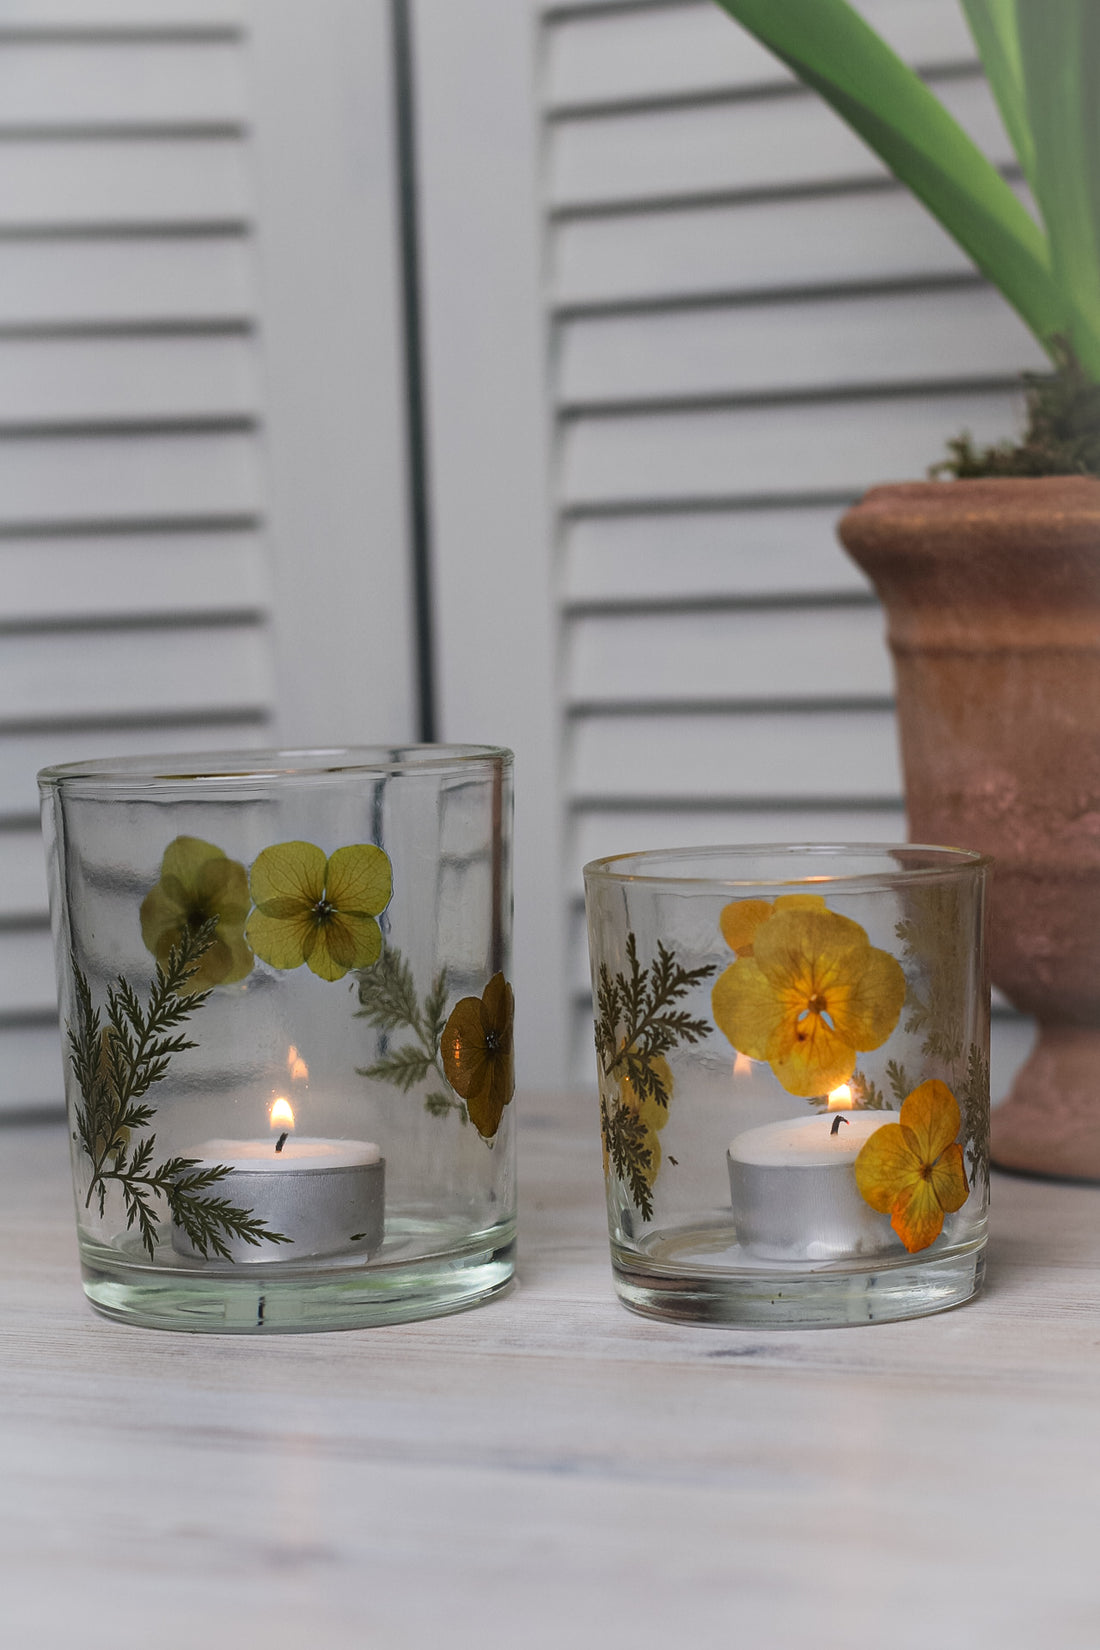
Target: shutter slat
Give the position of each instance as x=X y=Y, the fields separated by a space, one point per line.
x=823 y=754
x=47 y=185
x=142 y=575
x=830 y=652
x=30 y=1063
x=34 y=18
x=758 y=452
x=776 y=143
x=171 y=671
x=715 y=554
x=27 y=981
x=684 y=50
x=123 y=379
x=129 y=282
x=22 y=875
x=814 y=241
x=767 y=348
x=111 y=479
x=119 y=83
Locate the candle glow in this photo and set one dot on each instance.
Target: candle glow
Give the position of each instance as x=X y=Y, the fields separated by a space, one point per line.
x=840 y=1099
x=281 y=1114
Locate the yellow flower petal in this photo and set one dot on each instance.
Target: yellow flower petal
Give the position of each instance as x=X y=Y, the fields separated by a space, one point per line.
x=885 y=1166
x=949 y=1179
x=865 y=1006
x=185 y=857
x=740 y=921
x=809 y=1057
x=359 y=879
x=288 y=872
x=280 y=941
x=932 y=1113
x=746 y=1008
x=917 y=1215
x=344 y=940
x=476 y=1050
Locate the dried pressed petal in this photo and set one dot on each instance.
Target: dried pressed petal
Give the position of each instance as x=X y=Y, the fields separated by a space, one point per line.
x=319 y=911
x=913 y=1170
x=813 y=994
x=198 y=882
x=476 y=1049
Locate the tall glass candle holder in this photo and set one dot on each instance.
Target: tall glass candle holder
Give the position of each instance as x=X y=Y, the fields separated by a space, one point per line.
x=792 y=1049
x=284 y=980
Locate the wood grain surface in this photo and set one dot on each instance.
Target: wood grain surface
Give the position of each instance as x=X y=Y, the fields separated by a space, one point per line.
x=550 y=1470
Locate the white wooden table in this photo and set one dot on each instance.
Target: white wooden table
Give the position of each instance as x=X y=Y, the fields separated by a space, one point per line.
x=550 y=1470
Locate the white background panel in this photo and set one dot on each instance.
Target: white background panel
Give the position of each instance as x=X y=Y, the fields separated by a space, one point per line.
x=754 y=349
x=27 y=981
x=119 y=83
x=143 y=478
x=112 y=672
x=23 y=753
x=793 y=552
x=129 y=281
x=104 y=182
x=780 y=142
x=827 y=754
x=22 y=875
x=875 y=236
x=92 y=577
x=826 y=652
x=756 y=451
x=686 y=49
x=89 y=380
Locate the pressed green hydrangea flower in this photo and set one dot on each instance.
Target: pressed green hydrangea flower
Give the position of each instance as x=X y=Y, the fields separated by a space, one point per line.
x=198 y=882
x=319 y=911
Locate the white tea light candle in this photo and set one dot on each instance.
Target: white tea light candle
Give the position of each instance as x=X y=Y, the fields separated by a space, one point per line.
x=794 y=1193
x=326 y=1196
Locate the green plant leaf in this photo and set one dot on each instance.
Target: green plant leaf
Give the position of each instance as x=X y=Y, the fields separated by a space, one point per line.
x=1061 y=68
x=994 y=25
x=829 y=46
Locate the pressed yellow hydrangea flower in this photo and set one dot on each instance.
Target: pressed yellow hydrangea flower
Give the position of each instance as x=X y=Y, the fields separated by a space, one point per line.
x=476 y=1050
x=319 y=911
x=813 y=994
x=198 y=882
x=912 y=1170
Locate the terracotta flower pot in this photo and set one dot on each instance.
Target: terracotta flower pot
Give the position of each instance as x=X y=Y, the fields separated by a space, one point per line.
x=992 y=593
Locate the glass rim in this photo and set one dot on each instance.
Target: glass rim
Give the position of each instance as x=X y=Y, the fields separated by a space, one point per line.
x=267 y=763
x=943 y=862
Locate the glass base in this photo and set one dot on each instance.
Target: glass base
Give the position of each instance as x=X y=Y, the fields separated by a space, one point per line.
x=280 y=1300
x=780 y=1296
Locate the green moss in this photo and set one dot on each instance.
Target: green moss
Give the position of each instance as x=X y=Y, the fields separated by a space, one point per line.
x=1062 y=435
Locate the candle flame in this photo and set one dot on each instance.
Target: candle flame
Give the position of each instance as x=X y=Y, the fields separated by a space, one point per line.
x=299 y=1071
x=281 y=1114
x=742 y=1066
x=841 y=1099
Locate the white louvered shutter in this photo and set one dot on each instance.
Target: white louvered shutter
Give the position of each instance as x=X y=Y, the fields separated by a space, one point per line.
x=747 y=323
x=202 y=507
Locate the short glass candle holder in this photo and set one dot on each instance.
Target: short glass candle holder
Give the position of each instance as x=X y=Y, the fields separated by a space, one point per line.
x=792 y=1049
x=285 y=985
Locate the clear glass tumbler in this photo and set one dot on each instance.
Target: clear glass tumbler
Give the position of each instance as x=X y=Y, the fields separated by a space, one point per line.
x=792 y=1048
x=284 y=978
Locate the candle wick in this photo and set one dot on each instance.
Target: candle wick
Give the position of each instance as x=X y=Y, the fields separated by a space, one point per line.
x=281 y=1142
x=837 y=1121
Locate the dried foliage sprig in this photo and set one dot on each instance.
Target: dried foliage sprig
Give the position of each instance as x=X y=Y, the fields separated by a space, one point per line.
x=389 y=1002
x=115 y=1065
